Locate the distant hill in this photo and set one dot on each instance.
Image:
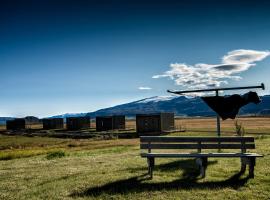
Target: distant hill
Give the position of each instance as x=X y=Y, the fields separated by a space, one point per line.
x=180 y=105
x=68 y=115
x=28 y=120
x=4 y=119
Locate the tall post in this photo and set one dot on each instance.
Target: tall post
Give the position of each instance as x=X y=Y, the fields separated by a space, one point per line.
x=218 y=120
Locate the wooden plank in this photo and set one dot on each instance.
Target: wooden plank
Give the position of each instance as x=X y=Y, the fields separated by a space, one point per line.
x=194 y=139
x=196 y=146
x=196 y=155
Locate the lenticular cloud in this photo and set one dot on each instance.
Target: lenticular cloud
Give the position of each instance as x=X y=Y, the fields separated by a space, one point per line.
x=245 y=56
x=213 y=75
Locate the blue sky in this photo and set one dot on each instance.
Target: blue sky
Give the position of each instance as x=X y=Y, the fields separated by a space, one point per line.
x=80 y=56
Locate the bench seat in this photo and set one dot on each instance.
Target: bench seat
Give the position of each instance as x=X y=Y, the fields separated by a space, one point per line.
x=196 y=155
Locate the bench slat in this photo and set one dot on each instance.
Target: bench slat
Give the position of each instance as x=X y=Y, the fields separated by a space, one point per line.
x=194 y=139
x=196 y=146
x=196 y=155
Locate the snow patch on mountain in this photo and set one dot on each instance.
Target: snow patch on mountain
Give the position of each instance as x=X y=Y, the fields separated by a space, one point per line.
x=156 y=99
x=69 y=115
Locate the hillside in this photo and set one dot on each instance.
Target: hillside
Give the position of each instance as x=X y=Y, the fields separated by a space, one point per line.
x=180 y=105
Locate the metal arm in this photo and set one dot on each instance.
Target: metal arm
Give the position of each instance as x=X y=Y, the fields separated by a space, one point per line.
x=217 y=89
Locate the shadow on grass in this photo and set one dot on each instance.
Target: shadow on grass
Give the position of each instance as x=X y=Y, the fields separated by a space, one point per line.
x=187 y=166
x=188 y=181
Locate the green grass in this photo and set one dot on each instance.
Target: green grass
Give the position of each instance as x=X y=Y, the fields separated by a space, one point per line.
x=55 y=154
x=113 y=169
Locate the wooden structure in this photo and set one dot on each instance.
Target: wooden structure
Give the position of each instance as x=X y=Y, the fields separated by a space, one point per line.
x=77 y=123
x=216 y=90
x=15 y=124
x=154 y=124
x=53 y=123
x=199 y=143
x=106 y=123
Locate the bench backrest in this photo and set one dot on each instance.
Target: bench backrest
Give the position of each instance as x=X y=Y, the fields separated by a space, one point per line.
x=199 y=143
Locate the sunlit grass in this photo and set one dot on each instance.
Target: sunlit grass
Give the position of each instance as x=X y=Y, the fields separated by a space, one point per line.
x=113 y=169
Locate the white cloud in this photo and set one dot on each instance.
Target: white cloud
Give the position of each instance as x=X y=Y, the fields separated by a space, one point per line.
x=144 y=88
x=208 y=75
x=244 y=56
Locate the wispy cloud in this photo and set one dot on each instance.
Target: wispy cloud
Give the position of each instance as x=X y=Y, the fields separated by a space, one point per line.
x=144 y=88
x=213 y=75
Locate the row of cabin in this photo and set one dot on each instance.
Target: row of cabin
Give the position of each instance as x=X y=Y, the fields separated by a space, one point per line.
x=72 y=123
x=145 y=123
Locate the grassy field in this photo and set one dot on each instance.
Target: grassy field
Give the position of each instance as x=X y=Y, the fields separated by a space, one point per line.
x=55 y=168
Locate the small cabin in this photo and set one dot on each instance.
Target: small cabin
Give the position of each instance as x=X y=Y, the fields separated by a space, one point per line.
x=77 y=123
x=53 y=123
x=105 y=123
x=154 y=124
x=15 y=124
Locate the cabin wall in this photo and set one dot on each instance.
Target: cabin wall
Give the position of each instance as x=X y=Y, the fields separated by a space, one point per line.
x=77 y=123
x=53 y=123
x=154 y=124
x=15 y=124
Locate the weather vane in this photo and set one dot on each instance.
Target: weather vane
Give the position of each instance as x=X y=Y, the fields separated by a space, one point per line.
x=226 y=107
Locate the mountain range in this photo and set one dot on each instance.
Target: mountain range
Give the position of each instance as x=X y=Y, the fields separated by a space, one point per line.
x=180 y=105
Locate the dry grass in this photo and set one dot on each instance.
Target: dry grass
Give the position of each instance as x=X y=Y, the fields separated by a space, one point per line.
x=210 y=123
x=250 y=122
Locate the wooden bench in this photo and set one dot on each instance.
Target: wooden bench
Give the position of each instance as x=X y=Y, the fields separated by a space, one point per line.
x=150 y=143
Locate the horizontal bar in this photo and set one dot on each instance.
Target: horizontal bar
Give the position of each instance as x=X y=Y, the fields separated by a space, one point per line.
x=197 y=146
x=196 y=155
x=217 y=89
x=174 y=139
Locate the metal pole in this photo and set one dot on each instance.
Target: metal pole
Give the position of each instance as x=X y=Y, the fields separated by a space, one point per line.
x=218 y=120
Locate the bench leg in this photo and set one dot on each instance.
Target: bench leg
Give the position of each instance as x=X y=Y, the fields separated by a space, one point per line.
x=243 y=165
x=202 y=163
x=252 y=162
x=151 y=163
